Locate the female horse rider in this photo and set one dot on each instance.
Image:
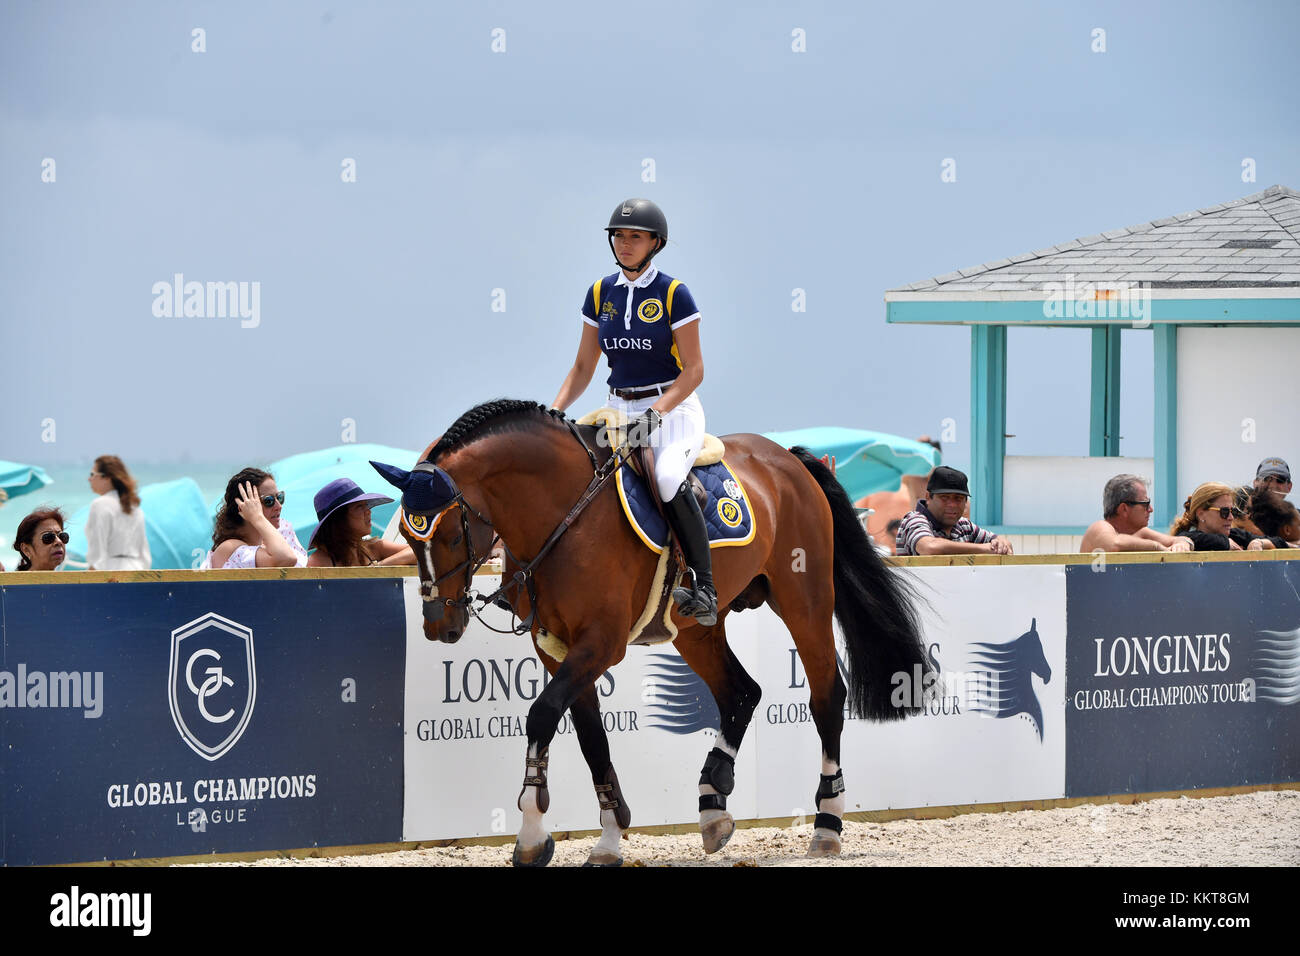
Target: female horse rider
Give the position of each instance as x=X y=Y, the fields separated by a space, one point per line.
x=646 y=324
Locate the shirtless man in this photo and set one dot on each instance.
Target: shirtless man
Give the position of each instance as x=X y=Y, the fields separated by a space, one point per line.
x=1127 y=509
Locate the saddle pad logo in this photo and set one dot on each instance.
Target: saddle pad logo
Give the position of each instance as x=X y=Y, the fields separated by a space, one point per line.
x=651 y=310
x=212 y=683
x=729 y=512
x=731 y=488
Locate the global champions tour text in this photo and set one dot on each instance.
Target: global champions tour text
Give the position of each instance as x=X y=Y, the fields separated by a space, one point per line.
x=1167 y=654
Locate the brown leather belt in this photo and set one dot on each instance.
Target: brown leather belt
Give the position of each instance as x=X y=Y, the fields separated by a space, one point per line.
x=632 y=394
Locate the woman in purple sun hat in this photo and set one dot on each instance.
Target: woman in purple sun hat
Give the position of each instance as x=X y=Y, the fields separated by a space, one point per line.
x=341 y=538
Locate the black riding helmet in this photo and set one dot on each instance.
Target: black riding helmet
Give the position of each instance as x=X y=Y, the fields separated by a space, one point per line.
x=638 y=214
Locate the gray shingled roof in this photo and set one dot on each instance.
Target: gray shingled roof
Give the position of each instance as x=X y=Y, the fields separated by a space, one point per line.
x=1252 y=242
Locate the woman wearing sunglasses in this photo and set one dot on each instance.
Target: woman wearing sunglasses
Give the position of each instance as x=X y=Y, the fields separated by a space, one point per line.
x=41 y=540
x=1207 y=522
x=115 y=532
x=249 y=532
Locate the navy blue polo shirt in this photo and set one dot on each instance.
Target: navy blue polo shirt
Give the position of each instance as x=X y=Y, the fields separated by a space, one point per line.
x=634 y=324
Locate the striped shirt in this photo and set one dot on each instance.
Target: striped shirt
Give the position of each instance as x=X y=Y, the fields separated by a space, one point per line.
x=920 y=524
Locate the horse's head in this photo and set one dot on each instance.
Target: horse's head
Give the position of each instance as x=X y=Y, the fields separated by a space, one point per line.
x=447 y=541
x=1030 y=647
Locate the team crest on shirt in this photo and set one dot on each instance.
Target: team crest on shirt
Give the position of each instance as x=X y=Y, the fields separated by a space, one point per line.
x=652 y=310
x=729 y=512
x=609 y=311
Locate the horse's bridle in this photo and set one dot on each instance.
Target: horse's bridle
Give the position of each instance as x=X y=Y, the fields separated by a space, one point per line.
x=435 y=607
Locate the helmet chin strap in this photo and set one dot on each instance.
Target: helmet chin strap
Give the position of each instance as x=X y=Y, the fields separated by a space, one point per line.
x=644 y=262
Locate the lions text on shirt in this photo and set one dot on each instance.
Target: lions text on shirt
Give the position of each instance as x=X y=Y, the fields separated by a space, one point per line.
x=635 y=322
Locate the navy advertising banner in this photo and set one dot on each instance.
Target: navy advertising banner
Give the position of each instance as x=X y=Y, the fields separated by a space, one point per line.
x=1182 y=676
x=177 y=718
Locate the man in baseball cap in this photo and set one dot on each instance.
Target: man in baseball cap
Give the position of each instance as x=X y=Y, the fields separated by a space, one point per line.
x=1273 y=474
x=939 y=525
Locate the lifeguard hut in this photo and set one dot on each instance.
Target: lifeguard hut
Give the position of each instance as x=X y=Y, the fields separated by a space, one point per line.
x=1218 y=288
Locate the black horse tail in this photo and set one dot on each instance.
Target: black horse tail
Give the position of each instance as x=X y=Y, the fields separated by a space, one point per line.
x=876 y=607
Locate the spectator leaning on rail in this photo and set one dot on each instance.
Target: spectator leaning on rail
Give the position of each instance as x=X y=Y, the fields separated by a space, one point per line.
x=41 y=540
x=115 y=531
x=1126 y=509
x=1273 y=474
x=249 y=532
x=938 y=525
x=1278 y=519
x=340 y=539
x=1207 y=521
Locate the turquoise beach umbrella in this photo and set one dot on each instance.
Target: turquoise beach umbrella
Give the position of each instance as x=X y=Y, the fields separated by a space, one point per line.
x=865 y=461
x=301 y=476
x=16 y=479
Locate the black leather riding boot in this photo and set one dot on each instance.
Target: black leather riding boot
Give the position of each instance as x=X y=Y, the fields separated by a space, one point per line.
x=687 y=523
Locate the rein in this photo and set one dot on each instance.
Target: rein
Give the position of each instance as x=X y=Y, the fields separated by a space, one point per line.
x=524 y=576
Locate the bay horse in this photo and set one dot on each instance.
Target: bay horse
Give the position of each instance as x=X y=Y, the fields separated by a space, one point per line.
x=515 y=470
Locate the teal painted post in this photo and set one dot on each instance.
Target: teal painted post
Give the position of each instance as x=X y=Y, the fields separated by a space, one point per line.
x=1168 y=503
x=1103 y=427
x=988 y=409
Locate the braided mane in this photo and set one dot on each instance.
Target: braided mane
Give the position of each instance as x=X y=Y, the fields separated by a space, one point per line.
x=493 y=418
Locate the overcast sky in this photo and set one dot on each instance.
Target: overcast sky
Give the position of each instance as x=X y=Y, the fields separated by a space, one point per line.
x=478 y=170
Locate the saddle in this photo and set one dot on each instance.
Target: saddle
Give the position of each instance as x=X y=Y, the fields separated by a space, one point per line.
x=615 y=425
x=722 y=499
x=727 y=515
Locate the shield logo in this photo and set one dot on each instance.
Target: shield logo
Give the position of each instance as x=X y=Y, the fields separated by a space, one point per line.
x=211 y=683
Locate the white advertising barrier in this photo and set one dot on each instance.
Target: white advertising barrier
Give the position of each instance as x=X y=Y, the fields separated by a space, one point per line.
x=993 y=733
x=467 y=708
x=994 y=631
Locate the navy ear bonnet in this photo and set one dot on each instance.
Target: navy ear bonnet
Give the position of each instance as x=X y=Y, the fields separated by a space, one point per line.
x=426 y=490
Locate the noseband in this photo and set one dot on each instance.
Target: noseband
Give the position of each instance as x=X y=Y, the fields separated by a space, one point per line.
x=436 y=606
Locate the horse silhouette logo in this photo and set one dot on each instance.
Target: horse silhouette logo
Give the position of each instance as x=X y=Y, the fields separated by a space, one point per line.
x=1006 y=687
x=682 y=702
x=1277 y=667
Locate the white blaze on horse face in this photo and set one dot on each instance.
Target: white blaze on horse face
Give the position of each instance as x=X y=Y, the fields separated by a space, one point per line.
x=835 y=804
x=433 y=575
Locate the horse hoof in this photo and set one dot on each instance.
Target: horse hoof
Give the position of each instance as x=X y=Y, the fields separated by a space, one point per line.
x=539 y=856
x=824 y=843
x=603 y=858
x=717 y=832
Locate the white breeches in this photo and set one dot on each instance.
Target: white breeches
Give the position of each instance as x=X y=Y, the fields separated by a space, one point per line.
x=676 y=442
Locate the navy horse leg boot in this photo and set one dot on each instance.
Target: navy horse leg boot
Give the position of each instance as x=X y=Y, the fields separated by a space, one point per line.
x=701 y=601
